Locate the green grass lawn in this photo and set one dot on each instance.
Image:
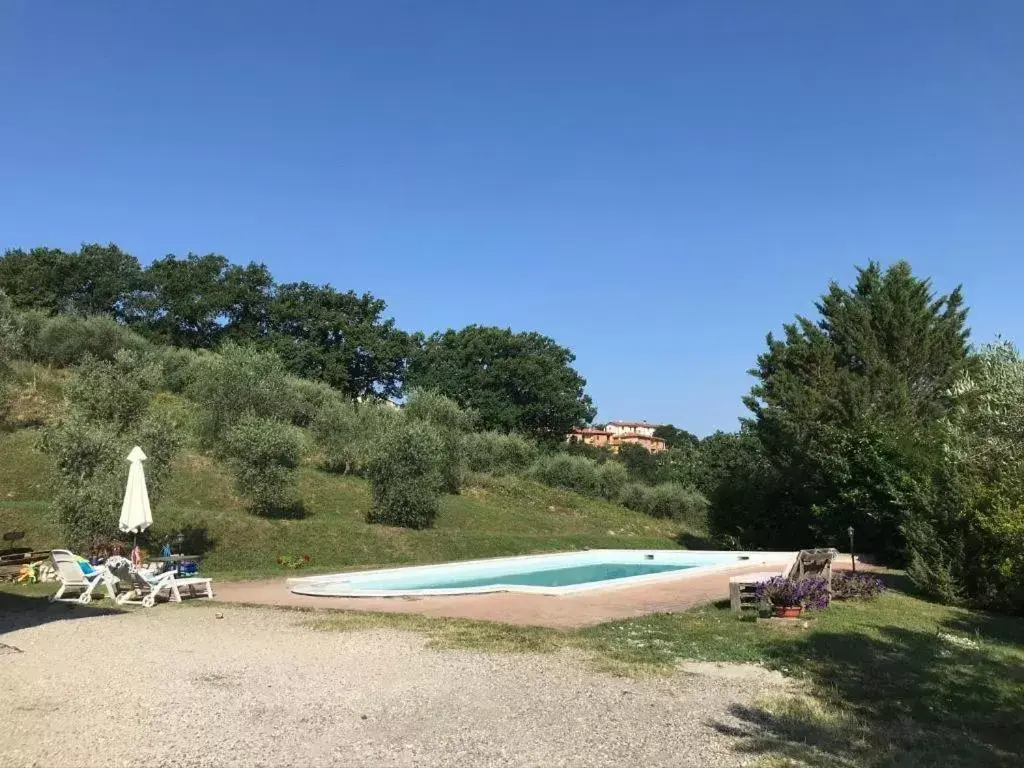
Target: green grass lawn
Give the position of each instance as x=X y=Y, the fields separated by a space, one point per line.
x=493 y=517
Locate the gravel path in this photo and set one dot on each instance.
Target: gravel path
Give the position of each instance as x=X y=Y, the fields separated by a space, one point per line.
x=177 y=686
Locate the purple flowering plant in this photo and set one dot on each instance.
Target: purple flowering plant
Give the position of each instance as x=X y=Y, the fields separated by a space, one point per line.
x=810 y=593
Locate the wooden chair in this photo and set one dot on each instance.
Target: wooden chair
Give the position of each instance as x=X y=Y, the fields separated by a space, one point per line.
x=815 y=562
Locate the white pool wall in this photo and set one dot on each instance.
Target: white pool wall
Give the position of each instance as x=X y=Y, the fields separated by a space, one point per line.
x=401 y=582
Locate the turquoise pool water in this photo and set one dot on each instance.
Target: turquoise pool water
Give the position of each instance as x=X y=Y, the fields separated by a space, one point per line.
x=559 y=573
x=550 y=577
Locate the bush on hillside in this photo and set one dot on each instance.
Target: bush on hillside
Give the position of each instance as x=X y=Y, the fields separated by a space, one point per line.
x=678 y=502
x=611 y=479
x=406 y=475
x=116 y=392
x=347 y=433
x=497 y=453
x=91 y=469
x=66 y=340
x=263 y=454
x=110 y=406
x=450 y=423
x=634 y=496
x=308 y=398
x=10 y=340
x=573 y=473
x=177 y=365
x=642 y=465
x=669 y=500
x=238 y=382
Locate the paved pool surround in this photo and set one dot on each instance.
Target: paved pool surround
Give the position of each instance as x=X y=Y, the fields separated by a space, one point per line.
x=561 y=573
x=565 y=611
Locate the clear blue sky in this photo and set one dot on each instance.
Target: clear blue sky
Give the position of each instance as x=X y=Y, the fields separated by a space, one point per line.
x=654 y=184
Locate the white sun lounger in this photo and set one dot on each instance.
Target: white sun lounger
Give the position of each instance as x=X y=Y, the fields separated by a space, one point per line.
x=148 y=587
x=72 y=577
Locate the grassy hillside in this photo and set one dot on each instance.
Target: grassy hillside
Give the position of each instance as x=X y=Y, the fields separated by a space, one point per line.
x=492 y=517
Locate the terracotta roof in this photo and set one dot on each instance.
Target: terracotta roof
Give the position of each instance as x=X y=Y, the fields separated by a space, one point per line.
x=589 y=431
x=634 y=424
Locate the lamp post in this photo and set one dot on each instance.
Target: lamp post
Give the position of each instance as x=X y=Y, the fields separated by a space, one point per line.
x=853 y=560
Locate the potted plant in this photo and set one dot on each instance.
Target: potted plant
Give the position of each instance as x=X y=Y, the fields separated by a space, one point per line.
x=789 y=598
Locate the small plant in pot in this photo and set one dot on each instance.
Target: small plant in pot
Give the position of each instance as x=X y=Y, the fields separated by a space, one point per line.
x=790 y=598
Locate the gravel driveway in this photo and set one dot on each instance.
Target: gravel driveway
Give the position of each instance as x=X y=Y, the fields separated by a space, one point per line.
x=177 y=686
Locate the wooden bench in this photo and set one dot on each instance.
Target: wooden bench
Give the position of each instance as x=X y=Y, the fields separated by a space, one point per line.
x=743 y=589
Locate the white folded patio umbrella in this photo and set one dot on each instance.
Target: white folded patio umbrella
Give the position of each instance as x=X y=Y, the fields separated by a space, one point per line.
x=136 y=515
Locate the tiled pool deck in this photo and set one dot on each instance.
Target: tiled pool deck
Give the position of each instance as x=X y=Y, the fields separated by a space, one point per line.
x=558 y=611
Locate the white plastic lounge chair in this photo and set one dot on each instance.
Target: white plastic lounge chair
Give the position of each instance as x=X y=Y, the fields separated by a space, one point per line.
x=148 y=586
x=72 y=577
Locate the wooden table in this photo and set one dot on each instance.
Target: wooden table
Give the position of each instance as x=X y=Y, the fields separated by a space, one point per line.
x=177 y=560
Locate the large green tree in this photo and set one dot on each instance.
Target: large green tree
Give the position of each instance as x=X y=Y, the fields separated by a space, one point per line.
x=516 y=382
x=847 y=408
x=675 y=437
x=197 y=301
x=96 y=279
x=969 y=543
x=339 y=337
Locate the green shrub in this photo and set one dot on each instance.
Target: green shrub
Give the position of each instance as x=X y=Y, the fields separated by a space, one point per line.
x=406 y=475
x=497 y=453
x=450 y=423
x=115 y=391
x=562 y=470
x=308 y=398
x=678 y=502
x=263 y=454
x=177 y=365
x=612 y=478
x=65 y=340
x=238 y=382
x=642 y=465
x=966 y=538
x=666 y=500
x=91 y=470
x=634 y=496
x=10 y=342
x=348 y=432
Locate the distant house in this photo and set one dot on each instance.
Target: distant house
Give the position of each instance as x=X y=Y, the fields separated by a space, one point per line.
x=632 y=428
x=617 y=433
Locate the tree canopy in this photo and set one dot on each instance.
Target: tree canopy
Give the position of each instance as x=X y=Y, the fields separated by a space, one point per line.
x=97 y=279
x=515 y=382
x=197 y=301
x=675 y=437
x=340 y=338
x=846 y=408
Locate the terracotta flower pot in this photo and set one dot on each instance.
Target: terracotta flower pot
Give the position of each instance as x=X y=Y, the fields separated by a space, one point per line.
x=788 y=611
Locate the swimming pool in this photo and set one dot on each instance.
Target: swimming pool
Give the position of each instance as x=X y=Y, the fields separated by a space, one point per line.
x=557 y=574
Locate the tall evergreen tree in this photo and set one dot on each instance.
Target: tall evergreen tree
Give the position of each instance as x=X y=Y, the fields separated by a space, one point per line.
x=847 y=408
